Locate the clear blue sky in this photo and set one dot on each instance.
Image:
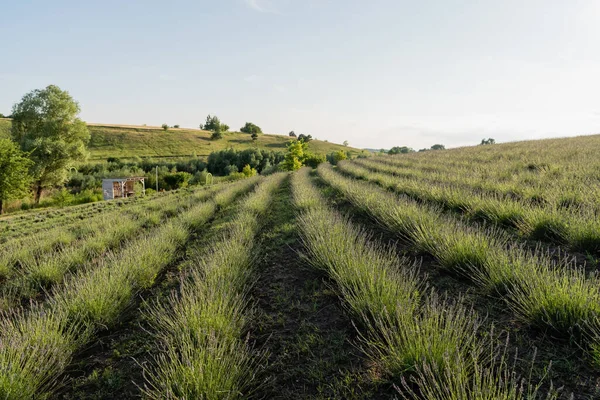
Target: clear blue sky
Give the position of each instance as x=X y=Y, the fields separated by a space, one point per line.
x=377 y=73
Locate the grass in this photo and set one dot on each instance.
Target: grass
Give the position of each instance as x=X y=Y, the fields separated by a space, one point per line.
x=130 y=141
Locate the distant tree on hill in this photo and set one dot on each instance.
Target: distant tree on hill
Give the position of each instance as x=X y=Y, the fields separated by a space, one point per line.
x=292 y=134
x=175 y=126
x=345 y=143
x=487 y=141
x=46 y=126
x=304 y=138
x=217 y=134
x=400 y=150
x=254 y=135
x=250 y=128
x=212 y=123
x=438 y=147
x=2 y=115
x=14 y=172
x=165 y=127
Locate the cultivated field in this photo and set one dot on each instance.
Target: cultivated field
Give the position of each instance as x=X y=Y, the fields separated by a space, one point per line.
x=457 y=274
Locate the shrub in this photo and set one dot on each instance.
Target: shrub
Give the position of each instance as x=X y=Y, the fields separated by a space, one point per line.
x=175 y=126
x=177 y=180
x=248 y=171
x=336 y=156
x=292 y=134
x=165 y=127
x=216 y=135
x=313 y=160
x=254 y=136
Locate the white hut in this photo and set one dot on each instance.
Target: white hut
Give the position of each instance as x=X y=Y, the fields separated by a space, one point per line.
x=121 y=187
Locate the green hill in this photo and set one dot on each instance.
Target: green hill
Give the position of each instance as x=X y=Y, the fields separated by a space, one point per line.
x=126 y=141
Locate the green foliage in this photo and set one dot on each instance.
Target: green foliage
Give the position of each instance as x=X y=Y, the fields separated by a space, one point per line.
x=313 y=160
x=254 y=136
x=250 y=128
x=248 y=171
x=292 y=134
x=259 y=159
x=176 y=126
x=438 y=147
x=165 y=127
x=177 y=180
x=14 y=172
x=487 y=141
x=45 y=125
x=213 y=124
x=337 y=156
x=62 y=198
x=295 y=156
x=304 y=138
x=216 y=133
x=345 y=143
x=400 y=150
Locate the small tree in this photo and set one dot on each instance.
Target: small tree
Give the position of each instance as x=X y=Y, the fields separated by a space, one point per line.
x=14 y=172
x=213 y=123
x=292 y=134
x=165 y=127
x=345 y=143
x=248 y=171
x=250 y=128
x=216 y=135
x=254 y=136
x=295 y=156
x=487 y=141
x=176 y=126
x=304 y=138
x=2 y=115
x=438 y=147
x=46 y=126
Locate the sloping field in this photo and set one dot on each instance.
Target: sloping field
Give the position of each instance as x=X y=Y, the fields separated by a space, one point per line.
x=126 y=141
x=457 y=274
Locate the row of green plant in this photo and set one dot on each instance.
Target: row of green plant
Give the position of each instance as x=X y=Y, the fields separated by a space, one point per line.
x=26 y=249
x=31 y=268
x=554 y=296
x=200 y=329
x=37 y=345
x=42 y=220
x=430 y=347
x=563 y=172
x=579 y=191
x=579 y=229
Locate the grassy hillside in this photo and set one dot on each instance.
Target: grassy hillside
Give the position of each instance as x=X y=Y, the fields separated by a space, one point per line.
x=125 y=141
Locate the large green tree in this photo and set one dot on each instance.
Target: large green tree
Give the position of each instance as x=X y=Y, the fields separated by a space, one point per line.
x=14 y=172
x=46 y=126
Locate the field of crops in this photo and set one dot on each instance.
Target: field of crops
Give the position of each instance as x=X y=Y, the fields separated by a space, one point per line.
x=458 y=274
